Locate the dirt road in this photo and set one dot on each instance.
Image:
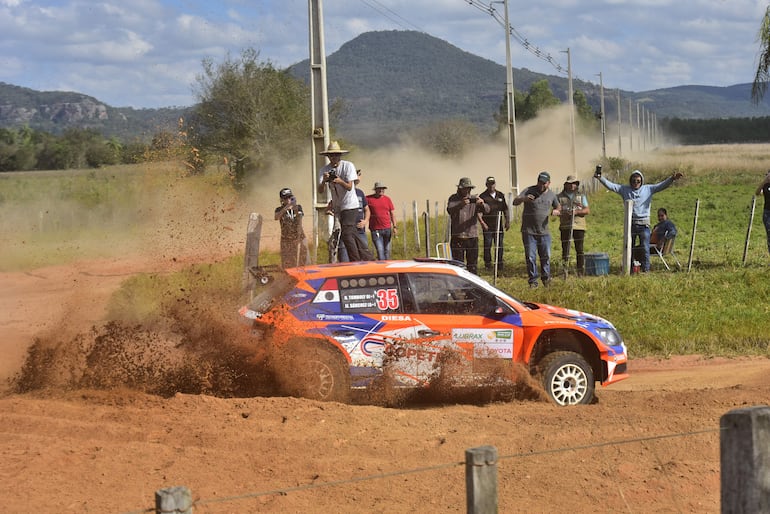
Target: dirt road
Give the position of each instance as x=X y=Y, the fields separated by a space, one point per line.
x=651 y=443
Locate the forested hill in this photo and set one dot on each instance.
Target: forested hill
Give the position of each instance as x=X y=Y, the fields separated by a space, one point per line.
x=392 y=78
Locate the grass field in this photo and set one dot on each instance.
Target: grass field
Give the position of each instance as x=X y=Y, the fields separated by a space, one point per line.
x=719 y=307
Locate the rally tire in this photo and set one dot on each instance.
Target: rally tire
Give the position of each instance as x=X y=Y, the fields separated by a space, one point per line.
x=567 y=378
x=318 y=372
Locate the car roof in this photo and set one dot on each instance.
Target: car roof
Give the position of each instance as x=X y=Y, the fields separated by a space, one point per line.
x=374 y=267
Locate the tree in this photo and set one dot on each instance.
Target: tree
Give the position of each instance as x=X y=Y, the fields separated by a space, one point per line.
x=538 y=98
x=450 y=138
x=250 y=112
x=585 y=114
x=762 y=76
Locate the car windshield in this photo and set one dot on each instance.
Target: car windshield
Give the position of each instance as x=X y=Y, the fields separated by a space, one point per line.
x=486 y=285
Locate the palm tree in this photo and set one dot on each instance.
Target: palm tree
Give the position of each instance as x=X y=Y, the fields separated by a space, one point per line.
x=759 y=86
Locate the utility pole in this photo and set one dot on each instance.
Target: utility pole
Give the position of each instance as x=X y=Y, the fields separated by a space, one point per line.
x=620 y=126
x=513 y=172
x=319 y=113
x=571 y=110
x=602 y=115
x=630 y=125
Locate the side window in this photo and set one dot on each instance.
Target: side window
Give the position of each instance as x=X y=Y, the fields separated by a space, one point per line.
x=372 y=294
x=448 y=294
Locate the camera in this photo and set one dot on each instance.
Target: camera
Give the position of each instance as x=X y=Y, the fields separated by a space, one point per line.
x=598 y=171
x=534 y=193
x=473 y=198
x=332 y=175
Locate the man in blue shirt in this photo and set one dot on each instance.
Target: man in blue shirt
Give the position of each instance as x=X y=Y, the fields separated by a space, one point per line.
x=641 y=194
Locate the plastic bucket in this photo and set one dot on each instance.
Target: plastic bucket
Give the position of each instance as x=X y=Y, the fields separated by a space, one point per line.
x=597 y=264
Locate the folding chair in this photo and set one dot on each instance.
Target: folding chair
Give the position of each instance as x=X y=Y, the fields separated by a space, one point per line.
x=667 y=250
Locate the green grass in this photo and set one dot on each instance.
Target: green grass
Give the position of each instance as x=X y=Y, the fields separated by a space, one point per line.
x=721 y=306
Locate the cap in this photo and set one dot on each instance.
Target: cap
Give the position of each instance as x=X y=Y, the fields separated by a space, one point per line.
x=380 y=185
x=544 y=177
x=572 y=179
x=465 y=182
x=490 y=180
x=285 y=193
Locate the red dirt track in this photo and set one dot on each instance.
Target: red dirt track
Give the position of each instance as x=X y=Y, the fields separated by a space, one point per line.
x=650 y=444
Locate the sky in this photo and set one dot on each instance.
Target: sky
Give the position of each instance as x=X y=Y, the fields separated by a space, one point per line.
x=147 y=53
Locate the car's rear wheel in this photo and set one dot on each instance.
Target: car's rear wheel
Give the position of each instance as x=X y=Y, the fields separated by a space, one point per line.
x=567 y=378
x=316 y=372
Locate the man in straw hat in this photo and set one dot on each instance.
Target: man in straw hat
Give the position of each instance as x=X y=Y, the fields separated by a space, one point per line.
x=382 y=220
x=463 y=209
x=341 y=177
x=538 y=202
x=572 y=212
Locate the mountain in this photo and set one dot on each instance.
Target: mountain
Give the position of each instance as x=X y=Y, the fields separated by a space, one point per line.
x=56 y=111
x=388 y=82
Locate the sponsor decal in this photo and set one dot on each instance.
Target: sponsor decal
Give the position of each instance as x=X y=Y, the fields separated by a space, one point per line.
x=334 y=317
x=486 y=342
x=396 y=317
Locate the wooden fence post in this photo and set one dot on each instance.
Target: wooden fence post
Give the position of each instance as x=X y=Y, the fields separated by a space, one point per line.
x=745 y=460
x=177 y=500
x=481 y=480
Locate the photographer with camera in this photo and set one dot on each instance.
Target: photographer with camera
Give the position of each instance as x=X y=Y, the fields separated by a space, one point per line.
x=463 y=209
x=641 y=195
x=340 y=176
x=539 y=202
x=572 y=212
x=294 y=250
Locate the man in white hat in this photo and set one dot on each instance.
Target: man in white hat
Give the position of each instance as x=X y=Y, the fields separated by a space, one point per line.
x=341 y=177
x=572 y=212
x=382 y=220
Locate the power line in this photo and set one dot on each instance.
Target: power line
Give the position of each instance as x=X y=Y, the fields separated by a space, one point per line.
x=391 y=15
x=524 y=42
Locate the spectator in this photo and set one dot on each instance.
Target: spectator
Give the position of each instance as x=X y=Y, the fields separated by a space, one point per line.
x=494 y=223
x=572 y=212
x=663 y=230
x=641 y=194
x=294 y=251
x=362 y=221
x=538 y=203
x=764 y=189
x=382 y=220
x=341 y=176
x=463 y=210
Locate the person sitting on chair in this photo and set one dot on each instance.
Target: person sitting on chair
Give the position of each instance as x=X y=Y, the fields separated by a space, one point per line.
x=663 y=230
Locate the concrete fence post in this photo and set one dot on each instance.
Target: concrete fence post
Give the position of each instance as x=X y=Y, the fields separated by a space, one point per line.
x=744 y=452
x=481 y=480
x=177 y=500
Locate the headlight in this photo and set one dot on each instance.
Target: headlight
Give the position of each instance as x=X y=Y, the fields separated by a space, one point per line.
x=609 y=336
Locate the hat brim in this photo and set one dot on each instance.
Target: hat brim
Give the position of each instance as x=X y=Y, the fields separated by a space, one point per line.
x=341 y=152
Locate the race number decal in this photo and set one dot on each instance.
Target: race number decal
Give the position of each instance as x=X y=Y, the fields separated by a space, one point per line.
x=387 y=299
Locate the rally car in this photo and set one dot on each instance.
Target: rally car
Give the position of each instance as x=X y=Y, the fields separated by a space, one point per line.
x=348 y=325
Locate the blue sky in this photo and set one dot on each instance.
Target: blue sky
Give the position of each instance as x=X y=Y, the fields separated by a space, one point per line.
x=147 y=53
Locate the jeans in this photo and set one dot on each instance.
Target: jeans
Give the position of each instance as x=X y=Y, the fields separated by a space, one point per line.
x=642 y=232
x=534 y=247
x=381 y=240
x=489 y=241
x=766 y=221
x=357 y=248
x=342 y=255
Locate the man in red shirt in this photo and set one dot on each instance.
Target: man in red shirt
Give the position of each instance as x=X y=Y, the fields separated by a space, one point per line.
x=382 y=220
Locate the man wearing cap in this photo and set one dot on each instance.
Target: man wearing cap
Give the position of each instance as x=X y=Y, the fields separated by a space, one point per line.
x=492 y=224
x=572 y=212
x=641 y=195
x=382 y=220
x=294 y=250
x=341 y=177
x=539 y=201
x=463 y=210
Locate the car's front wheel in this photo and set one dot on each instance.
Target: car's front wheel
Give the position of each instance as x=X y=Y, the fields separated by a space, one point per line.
x=567 y=378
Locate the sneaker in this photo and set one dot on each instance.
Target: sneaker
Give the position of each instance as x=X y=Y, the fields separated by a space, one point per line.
x=533 y=285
